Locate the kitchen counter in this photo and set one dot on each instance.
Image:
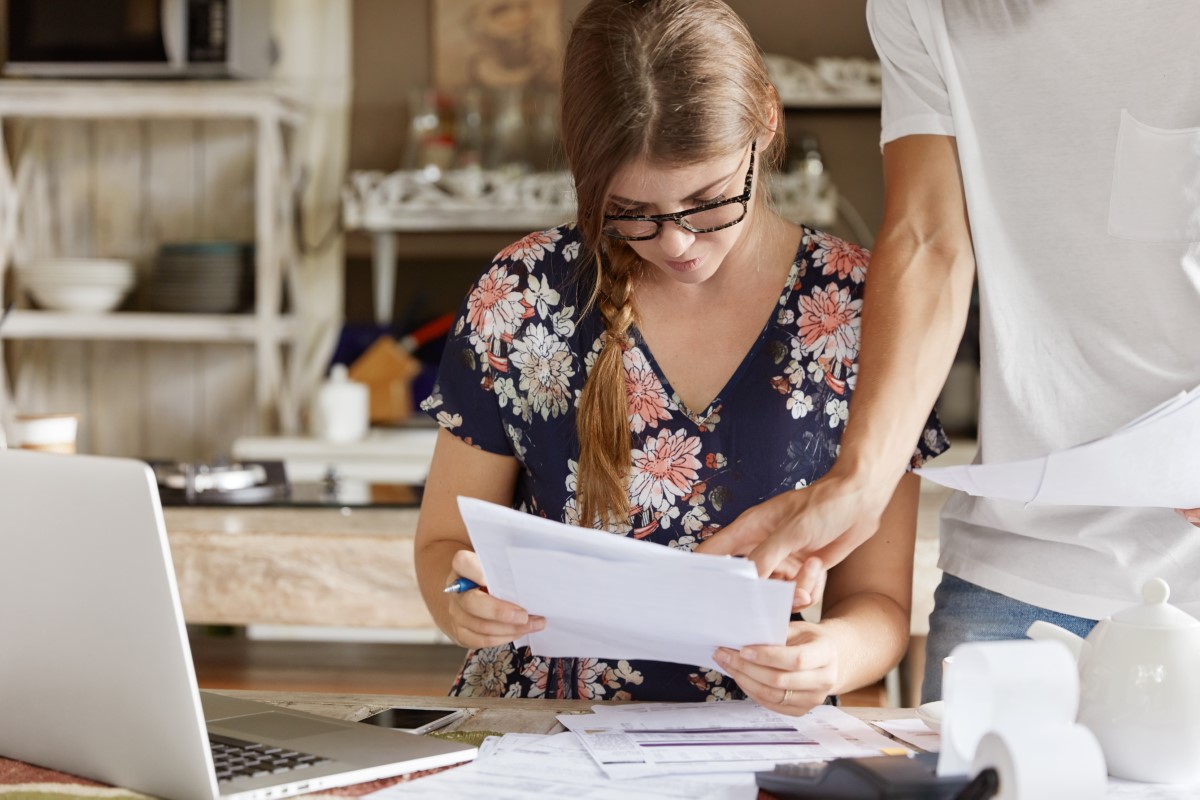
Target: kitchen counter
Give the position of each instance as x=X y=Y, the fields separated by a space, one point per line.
x=311 y=566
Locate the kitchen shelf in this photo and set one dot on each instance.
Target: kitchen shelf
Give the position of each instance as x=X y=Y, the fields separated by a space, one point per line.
x=275 y=114
x=147 y=326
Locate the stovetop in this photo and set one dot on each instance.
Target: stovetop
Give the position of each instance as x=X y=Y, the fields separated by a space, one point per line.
x=266 y=484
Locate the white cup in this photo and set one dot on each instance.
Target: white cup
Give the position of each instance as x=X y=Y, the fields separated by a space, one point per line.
x=50 y=433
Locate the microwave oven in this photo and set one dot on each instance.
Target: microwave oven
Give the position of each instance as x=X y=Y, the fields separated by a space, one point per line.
x=139 y=38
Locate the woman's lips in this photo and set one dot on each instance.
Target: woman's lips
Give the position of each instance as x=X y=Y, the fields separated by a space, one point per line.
x=684 y=266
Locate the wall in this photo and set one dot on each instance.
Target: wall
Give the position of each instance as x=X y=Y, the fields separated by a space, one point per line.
x=392 y=54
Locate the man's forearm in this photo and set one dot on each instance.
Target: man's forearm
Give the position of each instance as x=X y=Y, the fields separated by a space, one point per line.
x=917 y=296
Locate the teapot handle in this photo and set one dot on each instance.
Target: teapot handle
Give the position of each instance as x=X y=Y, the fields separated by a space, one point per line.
x=1045 y=631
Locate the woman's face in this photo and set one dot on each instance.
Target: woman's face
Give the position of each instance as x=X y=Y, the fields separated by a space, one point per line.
x=643 y=188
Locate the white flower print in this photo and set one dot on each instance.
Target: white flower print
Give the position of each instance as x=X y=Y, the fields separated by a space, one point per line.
x=695 y=520
x=448 y=420
x=571 y=252
x=486 y=673
x=664 y=469
x=514 y=436
x=545 y=364
x=434 y=400
x=786 y=316
x=799 y=404
x=506 y=391
x=563 y=322
x=589 y=678
x=838 y=411
x=540 y=295
x=494 y=307
x=816 y=371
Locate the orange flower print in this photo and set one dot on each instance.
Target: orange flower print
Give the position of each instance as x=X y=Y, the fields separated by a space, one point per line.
x=664 y=470
x=494 y=307
x=829 y=322
x=838 y=257
x=532 y=249
x=648 y=402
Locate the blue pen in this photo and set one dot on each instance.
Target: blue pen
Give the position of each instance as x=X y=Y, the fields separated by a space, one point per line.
x=461 y=585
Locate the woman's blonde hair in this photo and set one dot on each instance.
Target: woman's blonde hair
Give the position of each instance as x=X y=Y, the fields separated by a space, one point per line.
x=674 y=82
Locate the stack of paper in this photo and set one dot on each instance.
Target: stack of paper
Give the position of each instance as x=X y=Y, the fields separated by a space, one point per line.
x=639 y=741
x=610 y=596
x=1152 y=461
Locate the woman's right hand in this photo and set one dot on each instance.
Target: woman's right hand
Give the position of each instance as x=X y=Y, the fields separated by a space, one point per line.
x=478 y=619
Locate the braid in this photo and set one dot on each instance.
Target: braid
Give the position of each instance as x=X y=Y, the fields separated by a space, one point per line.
x=603 y=419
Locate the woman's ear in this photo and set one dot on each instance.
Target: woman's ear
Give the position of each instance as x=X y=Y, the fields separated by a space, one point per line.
x=772 y=128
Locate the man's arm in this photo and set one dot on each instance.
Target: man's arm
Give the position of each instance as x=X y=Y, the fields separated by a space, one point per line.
x=917 y=294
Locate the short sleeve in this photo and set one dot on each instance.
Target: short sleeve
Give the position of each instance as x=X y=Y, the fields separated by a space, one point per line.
x=915 y=96
x=933 y=442
x=463 y=401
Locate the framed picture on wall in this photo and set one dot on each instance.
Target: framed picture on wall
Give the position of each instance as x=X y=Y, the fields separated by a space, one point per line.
x=497 y=44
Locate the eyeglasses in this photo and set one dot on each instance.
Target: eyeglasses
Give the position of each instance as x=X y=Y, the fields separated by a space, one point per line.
x=704 y=218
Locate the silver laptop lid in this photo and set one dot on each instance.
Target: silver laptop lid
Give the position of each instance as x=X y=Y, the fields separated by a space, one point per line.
x=96 y=677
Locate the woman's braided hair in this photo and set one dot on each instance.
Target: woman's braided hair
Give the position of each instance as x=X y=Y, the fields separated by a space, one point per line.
x=674 y=82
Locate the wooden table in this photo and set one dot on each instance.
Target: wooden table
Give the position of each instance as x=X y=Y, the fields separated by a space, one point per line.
x=500 y=715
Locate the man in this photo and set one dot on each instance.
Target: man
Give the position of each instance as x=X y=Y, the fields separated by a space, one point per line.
x=1053 y=148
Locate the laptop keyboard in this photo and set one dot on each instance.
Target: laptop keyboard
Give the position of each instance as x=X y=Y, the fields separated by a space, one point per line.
x=235 y=758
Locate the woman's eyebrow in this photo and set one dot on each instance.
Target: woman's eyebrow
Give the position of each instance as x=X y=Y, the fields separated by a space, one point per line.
x=705 y=190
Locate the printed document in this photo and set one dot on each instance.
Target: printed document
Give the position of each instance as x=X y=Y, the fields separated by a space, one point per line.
x=639 y=741
x=1151 y=461
x=610 y=596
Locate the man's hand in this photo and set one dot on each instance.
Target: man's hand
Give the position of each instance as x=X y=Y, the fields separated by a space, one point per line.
x=1192 y=515
x=824 y=521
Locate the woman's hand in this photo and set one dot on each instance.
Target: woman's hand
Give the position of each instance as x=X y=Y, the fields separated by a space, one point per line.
x=477 y=618
x=1192 y=515
x=789 y=678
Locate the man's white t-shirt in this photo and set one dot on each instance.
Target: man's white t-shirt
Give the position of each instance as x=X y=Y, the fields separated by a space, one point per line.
x=1077 y=124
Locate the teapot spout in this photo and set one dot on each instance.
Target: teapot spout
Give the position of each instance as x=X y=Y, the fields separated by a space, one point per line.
x=1046 y=632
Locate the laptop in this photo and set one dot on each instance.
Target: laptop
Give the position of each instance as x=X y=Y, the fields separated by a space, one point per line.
x=96 y=675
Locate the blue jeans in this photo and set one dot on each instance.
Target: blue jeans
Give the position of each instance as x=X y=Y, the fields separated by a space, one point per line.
x=964 y=612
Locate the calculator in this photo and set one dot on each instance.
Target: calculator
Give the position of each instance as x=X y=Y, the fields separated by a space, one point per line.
x=874 y=778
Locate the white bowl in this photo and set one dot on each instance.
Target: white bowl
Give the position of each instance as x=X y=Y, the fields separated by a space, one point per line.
x=78 y=298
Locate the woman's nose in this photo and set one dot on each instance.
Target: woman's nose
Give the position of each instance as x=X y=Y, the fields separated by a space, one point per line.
x=674 y=240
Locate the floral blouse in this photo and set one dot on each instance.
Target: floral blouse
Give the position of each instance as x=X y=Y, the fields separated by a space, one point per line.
x=509 y=382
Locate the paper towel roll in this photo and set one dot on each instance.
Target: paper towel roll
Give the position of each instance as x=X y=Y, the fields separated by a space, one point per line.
x=1052 y=763
x=1006 y=686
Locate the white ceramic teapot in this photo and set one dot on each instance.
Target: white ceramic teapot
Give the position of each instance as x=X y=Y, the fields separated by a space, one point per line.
x=1139 y=683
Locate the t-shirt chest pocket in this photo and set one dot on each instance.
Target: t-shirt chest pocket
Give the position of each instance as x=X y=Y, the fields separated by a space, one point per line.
x=1156 y=183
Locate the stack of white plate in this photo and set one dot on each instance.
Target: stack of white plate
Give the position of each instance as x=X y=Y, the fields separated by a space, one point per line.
x=199 y=277
x=77 y=284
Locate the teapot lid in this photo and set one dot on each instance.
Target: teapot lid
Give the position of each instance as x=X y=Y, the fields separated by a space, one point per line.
x=1155 y=611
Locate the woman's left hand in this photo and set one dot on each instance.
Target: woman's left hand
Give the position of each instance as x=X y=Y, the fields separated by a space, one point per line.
x=789 y=678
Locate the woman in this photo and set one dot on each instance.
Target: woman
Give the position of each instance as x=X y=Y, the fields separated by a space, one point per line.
x=677 y=356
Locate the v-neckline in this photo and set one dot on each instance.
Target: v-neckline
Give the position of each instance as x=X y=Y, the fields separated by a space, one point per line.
x=700 y=420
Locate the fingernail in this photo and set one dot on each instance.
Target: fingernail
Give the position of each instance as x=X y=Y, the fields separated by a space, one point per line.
x=721 y=657
x=750 y=655
x=539 y=624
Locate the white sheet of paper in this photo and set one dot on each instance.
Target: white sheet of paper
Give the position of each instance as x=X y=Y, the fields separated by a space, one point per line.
x=1152 y=461
x=609 y=596
x=530 y=767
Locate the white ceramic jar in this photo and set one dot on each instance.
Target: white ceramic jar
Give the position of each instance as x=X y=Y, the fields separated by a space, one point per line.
x=341 y=409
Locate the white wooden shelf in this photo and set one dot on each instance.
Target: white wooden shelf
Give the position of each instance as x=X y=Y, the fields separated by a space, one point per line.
x=146 y=326
x=274 y=114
